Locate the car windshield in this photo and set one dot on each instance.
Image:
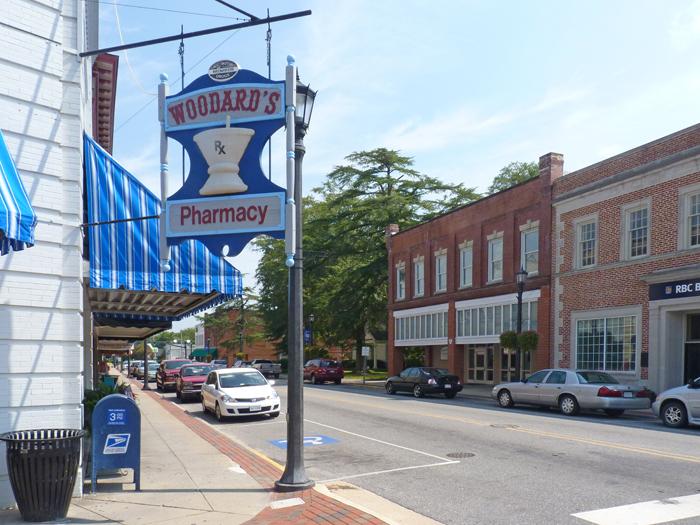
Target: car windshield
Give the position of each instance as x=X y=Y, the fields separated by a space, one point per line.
x=153 y=365
x=436 y=371
x=175 y=364
x=242 y=379
x=598 y=378
x=196 y=370
x=331 y=364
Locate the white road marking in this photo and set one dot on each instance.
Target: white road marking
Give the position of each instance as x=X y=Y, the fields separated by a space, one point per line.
x=382 y=442
x=647 y=513
x=388 y=471
x=444 y=461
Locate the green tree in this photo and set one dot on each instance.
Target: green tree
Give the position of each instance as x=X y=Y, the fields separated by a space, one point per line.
x=514 y=173
x=345 y=257
x=232 y=316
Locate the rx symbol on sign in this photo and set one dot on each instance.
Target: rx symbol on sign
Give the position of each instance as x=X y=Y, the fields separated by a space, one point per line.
x=218 y=146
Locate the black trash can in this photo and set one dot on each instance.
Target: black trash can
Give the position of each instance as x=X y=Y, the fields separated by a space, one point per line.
x=43 y=465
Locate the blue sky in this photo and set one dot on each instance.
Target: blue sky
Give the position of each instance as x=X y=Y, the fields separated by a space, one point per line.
x=462 y=87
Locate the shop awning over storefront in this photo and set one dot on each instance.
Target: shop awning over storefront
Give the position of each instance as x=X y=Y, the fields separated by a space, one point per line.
x=17 y=217
x=128 y=287
x=202 y=352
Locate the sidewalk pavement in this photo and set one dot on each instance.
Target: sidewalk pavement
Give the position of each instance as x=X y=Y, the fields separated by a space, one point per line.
x=192 y=474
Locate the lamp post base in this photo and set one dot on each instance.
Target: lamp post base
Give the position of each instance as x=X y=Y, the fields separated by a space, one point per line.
x=281 y=486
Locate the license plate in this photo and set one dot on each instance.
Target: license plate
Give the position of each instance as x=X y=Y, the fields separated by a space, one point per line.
x=448 y=386
x=255 y=408
x=627 y=394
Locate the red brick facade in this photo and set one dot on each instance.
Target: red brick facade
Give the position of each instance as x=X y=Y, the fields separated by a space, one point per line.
x=655 y=177
x=502 y=216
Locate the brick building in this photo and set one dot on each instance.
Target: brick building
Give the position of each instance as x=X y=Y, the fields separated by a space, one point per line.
x=626 y=263
x=452 y=287
x=260 y=348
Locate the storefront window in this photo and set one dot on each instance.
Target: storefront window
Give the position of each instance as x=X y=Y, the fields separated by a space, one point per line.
x=607 y=344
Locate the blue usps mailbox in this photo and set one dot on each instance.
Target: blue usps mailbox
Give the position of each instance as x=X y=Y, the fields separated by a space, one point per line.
x=116 y=437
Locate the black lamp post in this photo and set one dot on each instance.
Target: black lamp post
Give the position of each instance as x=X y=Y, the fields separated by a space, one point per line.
x=145 y=365
x=520 y=277
x=294 y=476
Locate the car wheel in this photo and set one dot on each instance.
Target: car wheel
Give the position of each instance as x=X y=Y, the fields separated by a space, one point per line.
x=274 y=414
x=569 y=406
x=505 y=399
x=217 y=412
x=390 y=388
x=418 y=391
x=450 y=395
x=204 y=406
x=314 y=381
x=337 y=381
x=674 y=414
x=614 y=412
x=277 y=376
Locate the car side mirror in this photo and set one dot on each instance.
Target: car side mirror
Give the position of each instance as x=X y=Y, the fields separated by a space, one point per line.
x=523 y=379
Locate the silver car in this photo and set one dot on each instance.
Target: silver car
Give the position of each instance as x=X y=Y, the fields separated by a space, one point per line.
x=571 y=391
x=679 y=406
x=239 y=392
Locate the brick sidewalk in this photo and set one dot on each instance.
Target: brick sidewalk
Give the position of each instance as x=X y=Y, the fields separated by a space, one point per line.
x=317 y=507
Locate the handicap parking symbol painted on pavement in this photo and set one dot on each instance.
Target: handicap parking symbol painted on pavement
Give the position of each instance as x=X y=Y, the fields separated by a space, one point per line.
x=116 y=443
x=309 y=441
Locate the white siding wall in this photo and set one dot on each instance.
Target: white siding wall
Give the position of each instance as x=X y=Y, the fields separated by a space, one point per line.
x=45 y=94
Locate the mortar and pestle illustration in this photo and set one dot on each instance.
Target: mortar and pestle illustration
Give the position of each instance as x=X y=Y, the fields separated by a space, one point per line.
x=223 y=149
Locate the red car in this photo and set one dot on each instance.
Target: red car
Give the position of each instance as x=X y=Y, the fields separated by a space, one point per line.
x=190 y=379
x=322 y=370
x=168 y=372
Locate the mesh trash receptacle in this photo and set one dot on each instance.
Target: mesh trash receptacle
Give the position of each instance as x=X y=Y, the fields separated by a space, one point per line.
x=43 y=465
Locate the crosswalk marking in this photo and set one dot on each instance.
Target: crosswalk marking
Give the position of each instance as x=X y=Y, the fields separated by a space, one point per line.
x=647 y=513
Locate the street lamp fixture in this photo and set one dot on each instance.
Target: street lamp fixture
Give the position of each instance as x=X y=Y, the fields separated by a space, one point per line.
x=294 y=477
x=520 y=278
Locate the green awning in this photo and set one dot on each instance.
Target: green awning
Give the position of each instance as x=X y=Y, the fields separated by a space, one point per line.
x=201 y=352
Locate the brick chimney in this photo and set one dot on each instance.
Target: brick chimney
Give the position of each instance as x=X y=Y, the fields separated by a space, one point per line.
x=389 y=231
x=551 y=167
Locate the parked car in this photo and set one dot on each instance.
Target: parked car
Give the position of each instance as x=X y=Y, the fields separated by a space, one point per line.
x=423 y=380
x=242 y=364
x=190 y=379
x=572 y=390
x=168 y=372
x=152 y=369
x=267 y=367
x=318 y=371
x=134 y=366
x=679 y=406
x=220 y=363
x=239 y=392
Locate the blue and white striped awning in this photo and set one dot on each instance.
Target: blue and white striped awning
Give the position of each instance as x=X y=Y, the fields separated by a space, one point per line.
x=17 y=217
x=125 y=255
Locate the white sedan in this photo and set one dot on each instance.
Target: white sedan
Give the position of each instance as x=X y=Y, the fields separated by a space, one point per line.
x=239 y=392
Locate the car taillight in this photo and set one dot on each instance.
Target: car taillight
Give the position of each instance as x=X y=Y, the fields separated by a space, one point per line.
x=604 y=391
x=432 y=381
x=643 y=393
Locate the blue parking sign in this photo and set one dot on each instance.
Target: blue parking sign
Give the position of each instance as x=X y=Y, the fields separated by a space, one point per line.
x=307 y=335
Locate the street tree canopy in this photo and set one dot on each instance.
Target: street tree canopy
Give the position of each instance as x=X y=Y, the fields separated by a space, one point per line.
x=345 y=257
x=514 y=173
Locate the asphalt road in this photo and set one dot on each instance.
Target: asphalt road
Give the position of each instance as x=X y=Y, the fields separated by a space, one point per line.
x=468 y=461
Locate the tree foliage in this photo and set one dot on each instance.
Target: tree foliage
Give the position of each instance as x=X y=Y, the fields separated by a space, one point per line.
x=514 y=173
x=345 y=256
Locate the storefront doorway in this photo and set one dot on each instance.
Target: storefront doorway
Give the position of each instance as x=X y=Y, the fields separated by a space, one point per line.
x=691 y=360
x=480 y=364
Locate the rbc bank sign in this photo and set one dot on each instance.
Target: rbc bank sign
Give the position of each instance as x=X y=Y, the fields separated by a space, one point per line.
x=674 y=290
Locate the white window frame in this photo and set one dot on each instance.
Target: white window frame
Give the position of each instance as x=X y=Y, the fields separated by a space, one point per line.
x=464 y=270
x=491 y=261
x=419 y=279
x=685 y=196
x=606 y=313
x=441 y=273
x=523 y=254
x=578 y=224
x=400 y=283
x=626 y=237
